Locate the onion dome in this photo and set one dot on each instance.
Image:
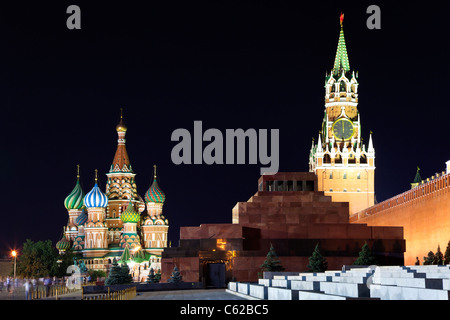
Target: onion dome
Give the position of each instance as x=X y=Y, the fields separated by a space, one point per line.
x=121 y=127
x=75 y=199
x=154 y=193
x=81 y=219
x=63 y=244
x=95 y=198
x=130 y=215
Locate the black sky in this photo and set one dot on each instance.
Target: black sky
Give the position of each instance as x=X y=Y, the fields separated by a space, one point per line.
x=230 y=64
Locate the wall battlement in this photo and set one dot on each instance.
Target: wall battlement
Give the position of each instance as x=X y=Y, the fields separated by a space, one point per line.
x=429 y=189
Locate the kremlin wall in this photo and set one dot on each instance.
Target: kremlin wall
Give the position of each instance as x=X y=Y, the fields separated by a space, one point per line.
x=423 y=212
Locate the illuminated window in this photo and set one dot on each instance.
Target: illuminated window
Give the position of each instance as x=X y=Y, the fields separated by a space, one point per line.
x=221 y=244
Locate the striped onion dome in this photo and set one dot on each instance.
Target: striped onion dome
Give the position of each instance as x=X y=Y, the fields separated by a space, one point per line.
x=75 y=199
x=81 y=219
x=63 y=244
x=95 y=198
x=154 y=193
x=130 y=215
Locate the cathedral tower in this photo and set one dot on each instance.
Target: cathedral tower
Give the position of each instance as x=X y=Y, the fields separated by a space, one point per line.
x=96 y=241
x=75 y=207
x=155 y=227
x=130 y=218
x=344 y=167
x=121 y=186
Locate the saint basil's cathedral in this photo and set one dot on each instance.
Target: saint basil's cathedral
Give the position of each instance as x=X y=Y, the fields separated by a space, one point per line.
x=117 y=223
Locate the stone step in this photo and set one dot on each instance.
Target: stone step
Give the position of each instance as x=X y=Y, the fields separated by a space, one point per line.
x=406 y=293
x=306 y=295
x=352 y=290
x=409 y=282
x=305 y=285
x=282 y=294
x=258 y=291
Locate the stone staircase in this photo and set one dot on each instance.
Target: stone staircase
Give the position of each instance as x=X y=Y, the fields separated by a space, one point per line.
x=366 y=283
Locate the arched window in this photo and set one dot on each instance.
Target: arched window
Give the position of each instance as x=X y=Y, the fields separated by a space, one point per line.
x=363 y=159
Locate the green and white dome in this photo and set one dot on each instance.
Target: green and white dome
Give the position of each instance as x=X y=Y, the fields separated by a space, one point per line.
x=75 y=199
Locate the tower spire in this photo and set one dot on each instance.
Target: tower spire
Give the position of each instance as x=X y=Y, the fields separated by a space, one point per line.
x=341 y=62
x=417 y=179
x=370 y=149
x=121 y=162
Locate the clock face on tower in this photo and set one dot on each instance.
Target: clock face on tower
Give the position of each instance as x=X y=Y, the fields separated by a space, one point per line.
x=343 y=129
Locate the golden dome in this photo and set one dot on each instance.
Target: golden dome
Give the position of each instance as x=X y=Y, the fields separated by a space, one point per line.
x=121 y=127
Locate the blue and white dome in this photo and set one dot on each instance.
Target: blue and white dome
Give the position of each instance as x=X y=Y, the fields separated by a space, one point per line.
x=95 y=198
x=81 y=219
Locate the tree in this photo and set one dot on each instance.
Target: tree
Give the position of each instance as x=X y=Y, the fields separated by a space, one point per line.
x=176 y=276
x=152 y=278
x=428 y=260
x=438 y=257
x=38 y=259
x=272 y=263
x=114 y=274
x=125 y=274
x=365 y=257
x=158 y=276
x=119 y=274
x=317 y=263
x=447 y=254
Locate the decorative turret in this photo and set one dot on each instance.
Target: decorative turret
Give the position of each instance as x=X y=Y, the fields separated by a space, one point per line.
x=81 y=219
x=154 y=193
x=154 y=197
x=121 y=162
x=130 y=218
x=417 y=179
x=75 y=199
x=95 y=198
x=74 y=205
x=95 y=228
x=130 y=215
x=63 y=245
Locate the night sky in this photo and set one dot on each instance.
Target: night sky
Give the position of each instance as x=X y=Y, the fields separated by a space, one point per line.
x=230 y=64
